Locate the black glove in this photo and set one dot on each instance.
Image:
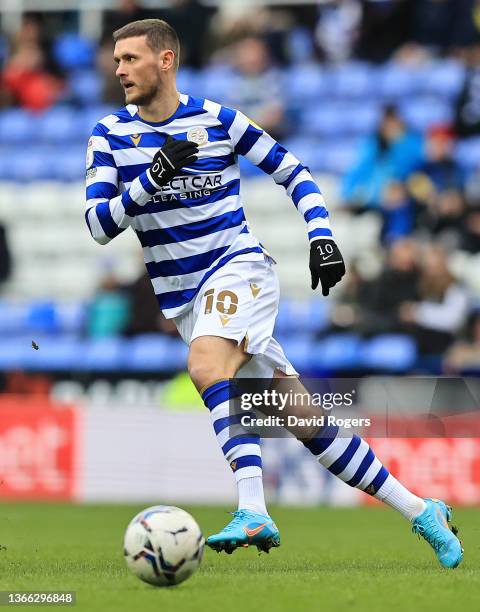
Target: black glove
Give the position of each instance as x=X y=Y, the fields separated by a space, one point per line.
x=171 y=158
x=326 y=264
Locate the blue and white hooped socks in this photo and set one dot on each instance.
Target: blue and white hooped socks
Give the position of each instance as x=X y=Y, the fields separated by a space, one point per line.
x=352 y=460
x=242 y=451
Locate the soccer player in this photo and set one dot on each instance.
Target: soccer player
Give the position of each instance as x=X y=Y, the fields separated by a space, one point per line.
x=166 y=165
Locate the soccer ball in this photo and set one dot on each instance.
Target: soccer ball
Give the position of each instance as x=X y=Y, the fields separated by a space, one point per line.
x=163 y=545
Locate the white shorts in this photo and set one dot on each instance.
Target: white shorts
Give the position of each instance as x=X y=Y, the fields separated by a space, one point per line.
x=240 y=301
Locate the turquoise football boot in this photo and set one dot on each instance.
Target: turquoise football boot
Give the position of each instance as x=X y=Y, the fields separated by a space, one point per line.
x=433 y=526
x=246 y=529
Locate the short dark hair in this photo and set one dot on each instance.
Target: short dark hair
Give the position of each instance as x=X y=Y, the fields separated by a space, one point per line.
x=160 y=35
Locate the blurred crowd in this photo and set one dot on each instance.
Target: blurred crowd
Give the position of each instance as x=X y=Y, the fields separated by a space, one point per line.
x=427 y=203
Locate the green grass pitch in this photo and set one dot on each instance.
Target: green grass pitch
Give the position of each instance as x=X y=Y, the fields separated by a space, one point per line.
x=330 y=559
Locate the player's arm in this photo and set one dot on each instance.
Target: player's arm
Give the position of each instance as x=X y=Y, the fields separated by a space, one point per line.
x=249 y=140
x=110 y=213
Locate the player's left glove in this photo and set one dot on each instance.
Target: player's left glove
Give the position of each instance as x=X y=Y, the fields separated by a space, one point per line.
x=326 y=264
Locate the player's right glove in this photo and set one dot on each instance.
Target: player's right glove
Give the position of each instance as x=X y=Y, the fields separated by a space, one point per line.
x=326 y=264
x=174 y=155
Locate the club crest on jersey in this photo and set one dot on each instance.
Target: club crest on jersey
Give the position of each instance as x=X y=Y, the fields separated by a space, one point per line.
x=198 y=135
x=90 y=155
x=135 y=138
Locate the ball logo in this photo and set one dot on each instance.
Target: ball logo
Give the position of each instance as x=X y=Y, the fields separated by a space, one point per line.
x=198 y=135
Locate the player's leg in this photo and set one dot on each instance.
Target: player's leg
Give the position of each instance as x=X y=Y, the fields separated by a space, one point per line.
x=351 y=459
x=224 y=315
x=213 y=362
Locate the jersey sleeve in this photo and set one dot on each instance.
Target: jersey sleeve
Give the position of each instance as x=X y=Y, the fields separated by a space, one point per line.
x=262 y=150
x=109 y=212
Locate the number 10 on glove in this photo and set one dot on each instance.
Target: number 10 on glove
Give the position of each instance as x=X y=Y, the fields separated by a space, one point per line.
x=326 y=264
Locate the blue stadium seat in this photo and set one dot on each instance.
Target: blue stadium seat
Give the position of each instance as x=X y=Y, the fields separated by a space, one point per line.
x=72 y=167
x=395 y=81
x=338 y=155
x=16 y=127
x=390 y=352
x=467 y=152
x=337 y=352
x=85 y=86
x=306 y=149
x=298 y=349
x=13 y=353
x=154 y=352
x=105 y=354
x=216 y=82
x=188 y=80
x=12 y=318
x=41 y=317
x=29 y=164
x=307 y=83
x=72 y=51
x=70 y=317
x=56 y=353
x=443 y=79
x=57 y=126
x=353 y=79
x=421 y=113
x=298 y=316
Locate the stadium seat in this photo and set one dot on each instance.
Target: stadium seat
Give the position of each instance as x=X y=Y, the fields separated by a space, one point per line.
x=423 y=112
x=353 y=79
x=390 y=352
x=57 y=126
x=13 y=353
x=394 y=81
x=154 y=352
x=16 y=127
x=12 y=318
x=55 y=353
x=337 y=352
x=467 y=153
x=41 y=317
x=305 y=84
x=443 y=79
x=299 y=316
x=28 y=164
x=85 y=87
x=72 y=51
x=104 y=354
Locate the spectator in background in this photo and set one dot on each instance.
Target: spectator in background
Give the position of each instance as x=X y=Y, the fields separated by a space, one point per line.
x=398 y=212
x=465 y=354
x=108 y=312
x=398 y=283
x=437 y=188
x=5 y=256
x=385 y=27
x=442 y=307
x=191 y=19
x=393 y=153
x=467 y=121
x=145 y=316
x=432 y=22
x=257 y=89
x=112 y=92
x=337 y=28
x=25 y=80
x=372 y=307
x=124 y=12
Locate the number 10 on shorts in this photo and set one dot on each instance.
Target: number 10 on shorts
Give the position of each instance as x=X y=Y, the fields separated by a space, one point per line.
x=226 y=302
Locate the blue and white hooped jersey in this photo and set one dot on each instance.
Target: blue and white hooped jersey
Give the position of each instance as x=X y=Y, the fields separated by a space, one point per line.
x=195 y=224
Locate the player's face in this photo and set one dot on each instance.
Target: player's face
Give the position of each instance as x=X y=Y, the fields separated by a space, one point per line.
x=138 y=70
